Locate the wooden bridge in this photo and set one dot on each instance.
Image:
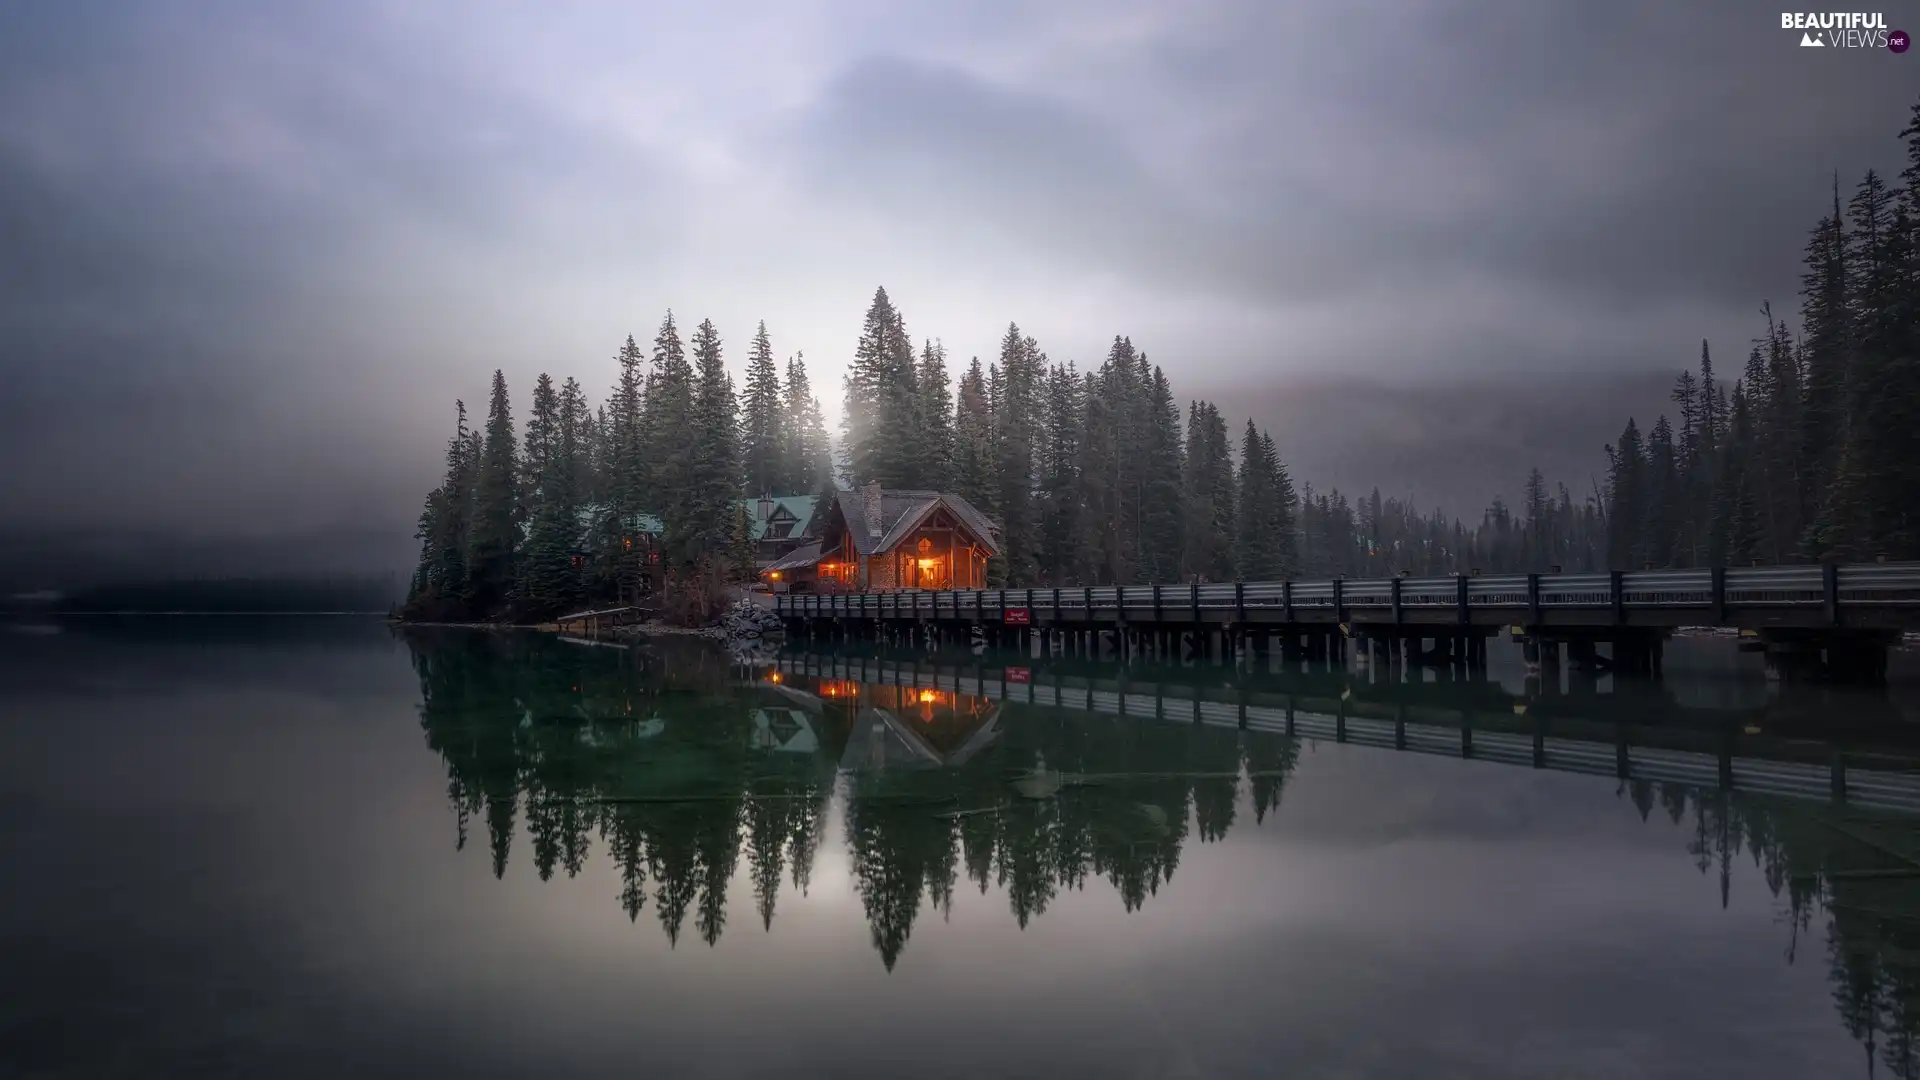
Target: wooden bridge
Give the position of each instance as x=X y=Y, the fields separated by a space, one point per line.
x=1844 y=617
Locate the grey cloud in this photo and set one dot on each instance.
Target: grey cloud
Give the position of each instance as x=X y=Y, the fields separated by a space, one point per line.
x=1628 y=158
x=248 y=255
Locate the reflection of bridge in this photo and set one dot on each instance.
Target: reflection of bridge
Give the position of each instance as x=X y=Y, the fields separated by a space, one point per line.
x=1849 y=614
x=1478 y=729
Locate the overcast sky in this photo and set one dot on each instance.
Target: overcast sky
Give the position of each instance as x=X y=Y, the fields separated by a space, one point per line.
x=250 y=253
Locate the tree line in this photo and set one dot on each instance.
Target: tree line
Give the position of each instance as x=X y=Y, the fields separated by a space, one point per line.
x=1094 y=477
x=591 y=501
x=1102 y=476
x=1814 y=453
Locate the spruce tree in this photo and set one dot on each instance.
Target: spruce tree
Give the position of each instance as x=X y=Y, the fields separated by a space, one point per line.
x=881 y=401
x=1663 y=508
x=1209 y=496
x=974 y=476
x=810 y=452
x=624 y=466
x=668 y=426
x=1826 y=327
x=439 y=588
x=1255 y=551
x=1280 y=512
x=1058 y=452
x=1538 y=508
x=1014 y=430
x=764 y=443
x=934 y=418
x=496 y=528
x=700 y=520
x=1626 y=499
x=547 y=469
x=1161 y=525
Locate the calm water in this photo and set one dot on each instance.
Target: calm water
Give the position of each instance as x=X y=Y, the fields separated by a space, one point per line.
x=320 y=849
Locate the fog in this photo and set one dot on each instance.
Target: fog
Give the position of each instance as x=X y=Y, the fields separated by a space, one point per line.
x=249 y=257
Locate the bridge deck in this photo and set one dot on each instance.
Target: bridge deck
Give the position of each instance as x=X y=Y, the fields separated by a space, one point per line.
x=1873 y=596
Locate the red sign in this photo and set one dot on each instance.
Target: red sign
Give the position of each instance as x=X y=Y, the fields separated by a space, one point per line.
x=1019 y=675
x=1017 y=616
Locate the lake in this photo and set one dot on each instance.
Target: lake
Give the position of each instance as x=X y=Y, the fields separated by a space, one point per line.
x=320 y=847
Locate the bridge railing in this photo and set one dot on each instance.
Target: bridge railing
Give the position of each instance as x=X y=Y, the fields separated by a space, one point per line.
x=1879 y=583
x=1865 y=585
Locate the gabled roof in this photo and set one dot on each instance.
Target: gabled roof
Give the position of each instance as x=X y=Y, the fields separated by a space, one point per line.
x=901 y=511
x=798 y=559
x=800 y=506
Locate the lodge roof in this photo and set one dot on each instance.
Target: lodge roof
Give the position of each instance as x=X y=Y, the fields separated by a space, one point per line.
x=798 y=559
x=901 y=511
x=800 y=506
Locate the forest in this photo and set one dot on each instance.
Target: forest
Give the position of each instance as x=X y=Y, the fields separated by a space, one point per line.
x=1101 y=475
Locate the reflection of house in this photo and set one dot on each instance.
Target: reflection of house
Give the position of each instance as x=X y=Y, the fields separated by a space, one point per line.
x=879 y=538
x=785 y=731
x=881 y=739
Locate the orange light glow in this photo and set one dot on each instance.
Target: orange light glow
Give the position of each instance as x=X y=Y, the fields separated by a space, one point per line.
x=928 y=697
x=773 y=575
x=773 y=676
x=928 y=564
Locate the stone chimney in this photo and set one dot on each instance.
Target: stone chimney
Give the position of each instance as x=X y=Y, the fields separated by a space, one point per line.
x=766 y=507
x=871 y=511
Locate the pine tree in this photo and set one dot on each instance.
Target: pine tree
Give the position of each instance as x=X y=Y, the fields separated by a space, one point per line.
x=1256 y=551
x=625 y=468
x=933 y=423
x=547 y=577
x=1740 y=528
x=699 y=522
x=1663 y=509
x=1014 y=430
x=1208 y=496
x=1826 y=325
x=810 y=452
x=1626 y=499
x=881 y=401
x=1538 y=529
x=974 y=476
x=1058 y=450
x=668 y=425
x=1161 y=525
x=764 y=443
x=1280 y=512
x=496 y=528
x=578 y=445
x=439 y=587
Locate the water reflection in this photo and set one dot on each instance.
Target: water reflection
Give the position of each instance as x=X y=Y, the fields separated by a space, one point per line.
x=685 y=763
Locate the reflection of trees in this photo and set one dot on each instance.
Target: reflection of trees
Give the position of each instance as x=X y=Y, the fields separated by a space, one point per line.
x=578 y=743
x=1126 y=824
x=1854 y=866
x=649 y=751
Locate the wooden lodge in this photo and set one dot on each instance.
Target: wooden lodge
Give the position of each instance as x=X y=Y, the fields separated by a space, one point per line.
x=877 y=538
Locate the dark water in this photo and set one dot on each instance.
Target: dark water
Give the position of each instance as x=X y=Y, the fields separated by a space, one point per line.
x=317 y=849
